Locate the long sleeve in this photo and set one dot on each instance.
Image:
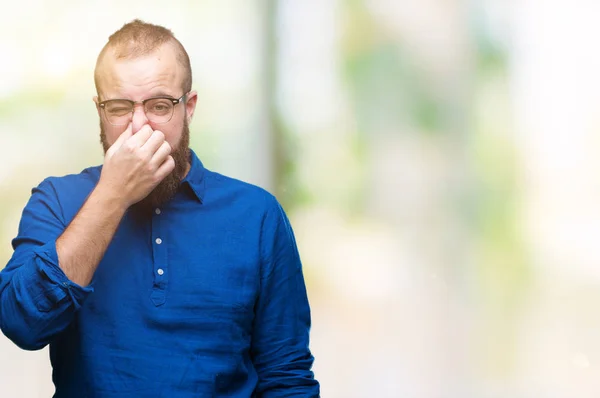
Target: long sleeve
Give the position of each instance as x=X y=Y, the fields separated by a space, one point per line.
x=37 y=300
x=280 y=339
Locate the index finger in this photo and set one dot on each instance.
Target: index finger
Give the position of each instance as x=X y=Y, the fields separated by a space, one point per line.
x=121 y=139
x=142 y=135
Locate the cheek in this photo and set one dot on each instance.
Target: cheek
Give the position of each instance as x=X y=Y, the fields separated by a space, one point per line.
x=172 y=134
x=111 y=133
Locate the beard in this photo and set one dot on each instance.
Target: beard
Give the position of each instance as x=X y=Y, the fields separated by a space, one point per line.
x=168 y=187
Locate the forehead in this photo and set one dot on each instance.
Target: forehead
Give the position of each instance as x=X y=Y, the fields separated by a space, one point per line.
x=156 y=73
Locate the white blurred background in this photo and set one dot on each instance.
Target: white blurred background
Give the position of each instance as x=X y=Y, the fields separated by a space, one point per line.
x=439 y=160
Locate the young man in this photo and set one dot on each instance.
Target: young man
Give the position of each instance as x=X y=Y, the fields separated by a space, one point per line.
x=151 y=276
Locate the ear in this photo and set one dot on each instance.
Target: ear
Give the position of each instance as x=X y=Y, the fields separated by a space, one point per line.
x=95 y=99
x=190 y=105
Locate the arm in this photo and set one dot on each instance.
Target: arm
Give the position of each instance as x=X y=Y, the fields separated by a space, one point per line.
x=43 y=284
x=83 y=244
x=133 y=166
x=36 y=299
x=280 y=337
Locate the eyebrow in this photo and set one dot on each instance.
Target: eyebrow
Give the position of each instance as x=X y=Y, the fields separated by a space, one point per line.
x=159 y=94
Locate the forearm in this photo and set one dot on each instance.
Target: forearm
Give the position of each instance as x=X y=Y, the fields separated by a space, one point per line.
x=37 y=301
x=84 y=242
x=281 y=351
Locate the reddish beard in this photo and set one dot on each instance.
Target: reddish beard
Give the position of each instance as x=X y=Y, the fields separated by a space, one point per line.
x=167 y=188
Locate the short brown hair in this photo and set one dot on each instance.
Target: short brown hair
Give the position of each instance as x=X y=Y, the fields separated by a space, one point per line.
x=138 y=38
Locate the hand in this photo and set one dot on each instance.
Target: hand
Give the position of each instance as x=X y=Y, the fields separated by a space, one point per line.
x=135 y=164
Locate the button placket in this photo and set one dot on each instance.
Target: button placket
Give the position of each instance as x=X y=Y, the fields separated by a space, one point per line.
x=160 y=265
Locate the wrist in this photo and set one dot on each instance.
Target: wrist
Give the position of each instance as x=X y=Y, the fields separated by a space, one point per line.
x=109 y=198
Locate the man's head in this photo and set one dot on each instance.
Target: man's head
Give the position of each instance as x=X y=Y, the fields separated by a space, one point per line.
x=142 y=61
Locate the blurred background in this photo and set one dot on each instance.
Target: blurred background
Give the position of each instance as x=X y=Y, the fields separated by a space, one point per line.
x=439 y=160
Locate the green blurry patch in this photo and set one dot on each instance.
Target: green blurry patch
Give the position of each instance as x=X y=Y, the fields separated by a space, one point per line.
x=19 y=103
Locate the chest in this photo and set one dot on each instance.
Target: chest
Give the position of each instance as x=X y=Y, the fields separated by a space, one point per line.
x=180 y=265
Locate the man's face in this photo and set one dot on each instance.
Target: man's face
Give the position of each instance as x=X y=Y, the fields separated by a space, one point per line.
x=156 y=74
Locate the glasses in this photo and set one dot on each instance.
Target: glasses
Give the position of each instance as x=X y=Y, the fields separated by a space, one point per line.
x=119 y=112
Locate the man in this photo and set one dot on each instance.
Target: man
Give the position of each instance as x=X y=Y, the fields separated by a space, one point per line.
x=152 y=276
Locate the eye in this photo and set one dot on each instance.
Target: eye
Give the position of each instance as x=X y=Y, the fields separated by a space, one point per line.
x=159 y=107
x=117 y=107
x=120 y=111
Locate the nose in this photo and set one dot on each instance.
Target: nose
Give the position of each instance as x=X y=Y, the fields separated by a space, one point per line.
x=139 y=118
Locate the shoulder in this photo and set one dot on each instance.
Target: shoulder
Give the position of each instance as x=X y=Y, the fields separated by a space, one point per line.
x=69 y=191
x=72 y=182
x=222 y=186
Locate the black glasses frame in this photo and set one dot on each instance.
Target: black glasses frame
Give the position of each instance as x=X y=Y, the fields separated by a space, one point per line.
x=175 y=101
